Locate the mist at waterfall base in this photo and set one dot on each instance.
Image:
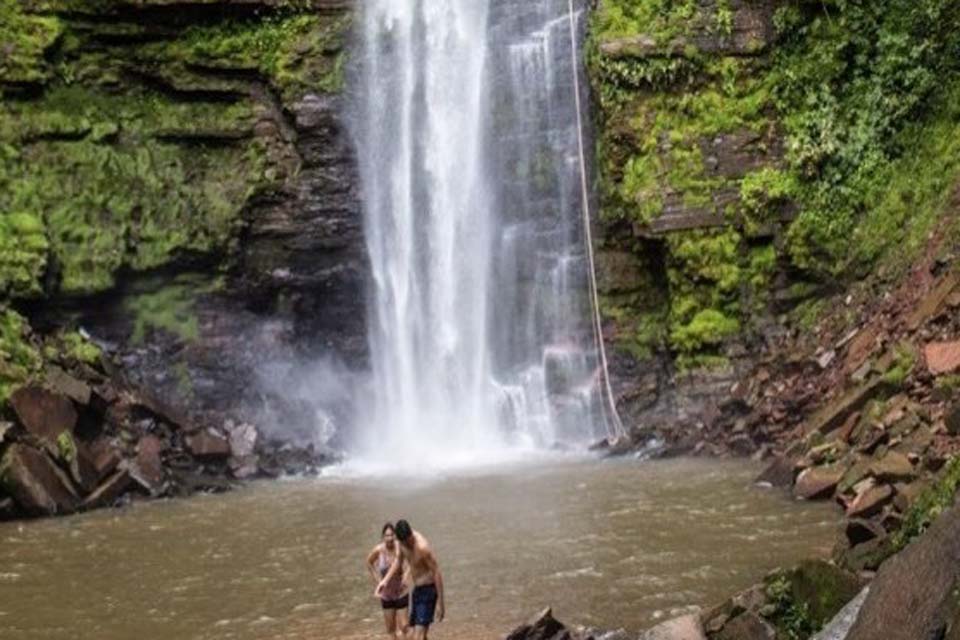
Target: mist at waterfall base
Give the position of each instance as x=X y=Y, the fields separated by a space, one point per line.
x=480 y=341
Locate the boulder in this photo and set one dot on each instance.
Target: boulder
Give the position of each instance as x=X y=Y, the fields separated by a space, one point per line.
x=859 y=530
x=952 y=419
x=106 y=457
x=542 y=626
x=79 y=462
x=65 y=384
x=147 y=467
x=836 y=412
x=108 y=492
x=854 y=475
x=839 y=627
x=208 y=445
x=243 y=440
x=892 y=467
x=156 y=408
x=907 y=494
x=35 y=482
x=44 y=414
x=913 y=596
x=866 y=556
x=823 y=589
x=817 y=482
x=779 y=473
x=862 y=347
x=245 y=467
x=870 y=499
x=8 y=509
x=686 y=627
x=942 y=357
x=746 y=626
x=752 y=599
x=932 y=302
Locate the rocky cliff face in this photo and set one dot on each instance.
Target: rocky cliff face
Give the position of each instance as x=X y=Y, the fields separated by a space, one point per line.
x=749 y=168
x=176 y=178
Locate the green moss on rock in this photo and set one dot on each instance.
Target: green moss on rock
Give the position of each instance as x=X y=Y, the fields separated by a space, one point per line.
x=19 y=359
x=25 y=39
x=169 y=308
x=297 y=53
x=100 y=182
x=929 y=505
x=79 y=348
x=23 y=254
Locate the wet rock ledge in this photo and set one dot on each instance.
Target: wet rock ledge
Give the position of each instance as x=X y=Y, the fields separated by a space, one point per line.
x=86 y=438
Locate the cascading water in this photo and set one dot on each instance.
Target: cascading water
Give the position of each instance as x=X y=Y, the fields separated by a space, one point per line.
x=466 y=131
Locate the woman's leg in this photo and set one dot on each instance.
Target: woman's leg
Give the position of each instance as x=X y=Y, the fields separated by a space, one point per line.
x=390 y=619
x=401 y=623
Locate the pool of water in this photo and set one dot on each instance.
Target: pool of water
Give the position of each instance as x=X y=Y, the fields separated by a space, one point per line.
x=612 y=544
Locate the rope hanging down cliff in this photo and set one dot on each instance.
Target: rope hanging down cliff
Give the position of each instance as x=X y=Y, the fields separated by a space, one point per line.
x=617 y=430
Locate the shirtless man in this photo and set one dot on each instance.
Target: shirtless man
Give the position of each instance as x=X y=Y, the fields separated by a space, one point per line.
x=427 y=595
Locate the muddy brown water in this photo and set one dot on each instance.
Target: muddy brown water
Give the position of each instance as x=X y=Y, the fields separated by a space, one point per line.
x=613 y=544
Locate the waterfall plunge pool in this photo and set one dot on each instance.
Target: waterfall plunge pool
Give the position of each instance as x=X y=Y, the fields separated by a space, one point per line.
x=610 y=544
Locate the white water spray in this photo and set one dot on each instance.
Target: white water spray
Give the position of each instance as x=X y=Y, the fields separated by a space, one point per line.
x=480 y=332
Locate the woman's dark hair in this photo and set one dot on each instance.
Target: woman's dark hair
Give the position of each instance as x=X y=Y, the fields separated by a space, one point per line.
x=403 y=530
x=387 y=527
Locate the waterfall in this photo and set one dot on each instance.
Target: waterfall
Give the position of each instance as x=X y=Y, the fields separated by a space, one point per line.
x=479 y=320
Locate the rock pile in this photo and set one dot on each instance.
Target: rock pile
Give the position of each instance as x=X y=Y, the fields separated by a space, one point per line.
x=84 y=439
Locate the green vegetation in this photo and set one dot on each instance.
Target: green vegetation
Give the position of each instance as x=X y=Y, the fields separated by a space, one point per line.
x=929 y=506
x=26 y=39
x=19 y=359
x=792 y=618
x=705 y=275
x=169 y=309
x=844 y=139
x=905 y=358
x=852 y=84
x=66 y=447
x=23 y=254
x=296 y=52
x=79 y=348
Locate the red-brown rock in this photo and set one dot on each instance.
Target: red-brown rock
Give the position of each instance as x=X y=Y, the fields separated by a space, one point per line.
x=65 y=384
x=207 y=445
x=931 y=303
x=942 y=357
x=148 y=464
x=870 y=500
x=892 y=467
x=43 y=413
x=817 y=482
x=108 y=492
x=35 y=482
x=779 y=473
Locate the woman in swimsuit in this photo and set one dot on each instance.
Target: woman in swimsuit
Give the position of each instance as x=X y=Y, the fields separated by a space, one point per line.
x=394 y=597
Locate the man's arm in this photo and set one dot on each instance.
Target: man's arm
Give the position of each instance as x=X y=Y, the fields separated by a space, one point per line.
x=438 y=581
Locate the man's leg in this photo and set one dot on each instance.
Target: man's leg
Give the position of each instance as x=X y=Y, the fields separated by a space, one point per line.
x=419 y=633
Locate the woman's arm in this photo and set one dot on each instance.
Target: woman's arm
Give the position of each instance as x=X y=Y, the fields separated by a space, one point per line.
x=397 y=560
x=371 y=562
